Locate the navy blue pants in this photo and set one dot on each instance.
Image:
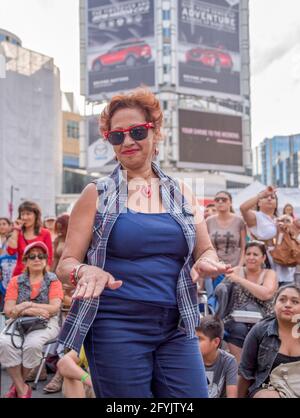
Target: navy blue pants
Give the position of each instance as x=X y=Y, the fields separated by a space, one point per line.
x=135 y=350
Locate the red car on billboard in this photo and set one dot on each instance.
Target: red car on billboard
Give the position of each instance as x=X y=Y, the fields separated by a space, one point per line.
x=127 y=53
x=216 y=59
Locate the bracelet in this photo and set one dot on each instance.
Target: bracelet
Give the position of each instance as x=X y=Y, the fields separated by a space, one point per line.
x=84 y=377
x=74 y=274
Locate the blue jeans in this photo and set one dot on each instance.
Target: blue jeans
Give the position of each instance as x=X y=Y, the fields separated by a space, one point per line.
x=135 y=350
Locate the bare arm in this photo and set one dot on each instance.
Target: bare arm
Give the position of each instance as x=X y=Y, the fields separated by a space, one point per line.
x=263 y=292
x=52 y=307
x=80 y=229
x=79 y=234
x=231 y=391
x=247 y=207
x=13 y=240
x=243 y=386
x=12 y=310
x=243 y=247
x=247 y=211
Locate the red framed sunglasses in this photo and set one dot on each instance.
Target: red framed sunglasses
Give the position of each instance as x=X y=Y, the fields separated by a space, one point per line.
x=137 y=133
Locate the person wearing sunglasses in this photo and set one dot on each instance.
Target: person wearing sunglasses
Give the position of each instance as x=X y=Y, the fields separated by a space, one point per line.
x=260 y=214
x=35 y=292
x=227 y=231
x=145 y=245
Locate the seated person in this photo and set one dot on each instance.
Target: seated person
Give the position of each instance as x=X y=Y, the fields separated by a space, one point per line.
x=270 y=343
x=33 y=293
x=74 y=370
x=253 y=289
x=221 y=367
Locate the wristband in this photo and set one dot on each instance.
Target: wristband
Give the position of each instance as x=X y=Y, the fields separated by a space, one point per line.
x=84 y=377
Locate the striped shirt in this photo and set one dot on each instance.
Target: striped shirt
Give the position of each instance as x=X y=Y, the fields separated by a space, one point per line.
x=113 y=192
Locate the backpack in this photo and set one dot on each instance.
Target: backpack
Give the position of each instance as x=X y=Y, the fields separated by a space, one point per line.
x=287 y=247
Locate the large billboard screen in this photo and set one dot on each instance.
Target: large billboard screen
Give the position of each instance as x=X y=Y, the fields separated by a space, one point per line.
x=120 y=46
x=207 y=139
x=99 y=151
x=209 y=61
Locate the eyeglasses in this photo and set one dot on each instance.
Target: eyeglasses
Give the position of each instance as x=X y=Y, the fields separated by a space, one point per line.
x=39 y=256
x=137 y=133
x=221 y=199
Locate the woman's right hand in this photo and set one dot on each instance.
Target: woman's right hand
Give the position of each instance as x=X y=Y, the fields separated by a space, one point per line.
x=18 y=224
x=92 y=282
x=267 y=192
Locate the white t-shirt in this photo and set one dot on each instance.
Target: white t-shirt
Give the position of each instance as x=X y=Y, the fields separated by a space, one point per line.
x=266 y=229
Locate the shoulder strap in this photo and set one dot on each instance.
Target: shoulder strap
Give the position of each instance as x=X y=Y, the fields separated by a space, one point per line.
x=261 y=278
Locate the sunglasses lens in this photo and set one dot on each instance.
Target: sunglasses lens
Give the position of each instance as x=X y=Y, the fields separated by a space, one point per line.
x=116 y=138
x=138 y=133
x=34 y=256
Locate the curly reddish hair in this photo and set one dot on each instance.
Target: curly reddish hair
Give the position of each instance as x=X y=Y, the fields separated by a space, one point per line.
x=140 y=98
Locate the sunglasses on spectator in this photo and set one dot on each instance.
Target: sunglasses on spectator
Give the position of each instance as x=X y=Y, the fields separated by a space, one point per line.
x=221 y=199
x=272 y=196
x=39 y=256
x=137 y=133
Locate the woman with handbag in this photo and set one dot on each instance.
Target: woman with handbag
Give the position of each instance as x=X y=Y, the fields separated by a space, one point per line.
x=270 y=363
x=263 y=225
x=35 y=293
x=253 y=289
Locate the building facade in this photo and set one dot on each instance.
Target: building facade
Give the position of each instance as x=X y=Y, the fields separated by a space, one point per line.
x=277 y=161
x=196 y=59
x=30 y=129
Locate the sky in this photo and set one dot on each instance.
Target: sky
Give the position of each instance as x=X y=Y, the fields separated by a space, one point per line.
x=52 y=28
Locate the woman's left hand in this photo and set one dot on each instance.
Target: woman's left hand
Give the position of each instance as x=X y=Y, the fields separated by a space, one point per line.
x=207 y=268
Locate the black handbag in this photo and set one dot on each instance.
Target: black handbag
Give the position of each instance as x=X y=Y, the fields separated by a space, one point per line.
x=23 y=326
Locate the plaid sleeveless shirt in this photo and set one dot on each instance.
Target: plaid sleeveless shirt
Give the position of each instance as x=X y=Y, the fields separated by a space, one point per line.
x=113 y=191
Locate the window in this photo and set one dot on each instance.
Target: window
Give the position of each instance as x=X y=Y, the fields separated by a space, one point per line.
x=166 y=14
x=166 y=32
x=72 y=129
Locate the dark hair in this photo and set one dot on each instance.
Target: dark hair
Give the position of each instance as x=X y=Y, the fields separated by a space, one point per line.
x=6 y=220
x=229 y=196
x=262 y=247
x=286 y=286
x=212 y=327
x=275 y=213
x=259 y=244
x=210 y=205
x=63 y=220
x=285 y=206
x=32 y=207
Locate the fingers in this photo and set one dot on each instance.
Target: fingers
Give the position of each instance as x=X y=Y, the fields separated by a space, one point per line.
x=194 y=275
x=92 y=286
x=112 y=283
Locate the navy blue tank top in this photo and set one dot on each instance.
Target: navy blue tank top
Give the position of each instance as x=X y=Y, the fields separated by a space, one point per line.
x=147 y=252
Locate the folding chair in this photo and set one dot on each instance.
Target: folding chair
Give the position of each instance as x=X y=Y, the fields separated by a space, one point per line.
x=49 y=348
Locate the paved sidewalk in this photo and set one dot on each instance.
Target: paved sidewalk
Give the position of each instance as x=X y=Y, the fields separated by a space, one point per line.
x=38 y=393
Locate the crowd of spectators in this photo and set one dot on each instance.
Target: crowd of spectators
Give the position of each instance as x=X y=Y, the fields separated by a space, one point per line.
x=249 y=333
